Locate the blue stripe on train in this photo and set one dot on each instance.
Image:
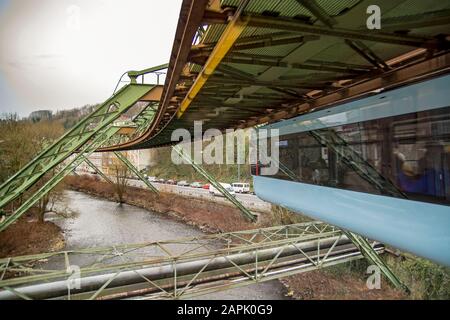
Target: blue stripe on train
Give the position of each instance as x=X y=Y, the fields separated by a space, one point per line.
x=418 y=227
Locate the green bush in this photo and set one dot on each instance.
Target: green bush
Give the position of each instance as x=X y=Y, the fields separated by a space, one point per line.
x=425 y=279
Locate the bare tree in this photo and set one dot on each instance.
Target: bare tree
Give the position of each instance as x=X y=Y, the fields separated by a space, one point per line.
x=47 y=203
x=120 y=173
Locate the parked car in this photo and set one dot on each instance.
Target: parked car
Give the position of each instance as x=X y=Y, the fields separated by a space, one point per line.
x=216 y=192
x=152 y=179
x=205 y=186
x=183 y=183
x=241 y=187
x=171 y=181
x=160 y=180
x=196 y=184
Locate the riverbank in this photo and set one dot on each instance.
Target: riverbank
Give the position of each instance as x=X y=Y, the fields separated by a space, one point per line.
x=332 y=283
x=209 y=217
x=97 y=222
x=28 y=236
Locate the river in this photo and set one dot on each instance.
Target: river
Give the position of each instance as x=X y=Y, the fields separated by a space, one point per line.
x=98 y=222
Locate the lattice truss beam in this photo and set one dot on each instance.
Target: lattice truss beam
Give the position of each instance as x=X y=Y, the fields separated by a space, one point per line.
x=254 y=62
x=175 y=269
x=96 y=130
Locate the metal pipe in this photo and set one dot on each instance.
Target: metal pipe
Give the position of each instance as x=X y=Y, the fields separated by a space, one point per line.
x=93 y=283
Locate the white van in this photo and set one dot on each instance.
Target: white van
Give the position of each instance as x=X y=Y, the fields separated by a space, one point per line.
x=216 y=192
x=241 y=187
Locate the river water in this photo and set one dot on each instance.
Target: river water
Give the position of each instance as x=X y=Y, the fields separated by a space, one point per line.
x=97 y=222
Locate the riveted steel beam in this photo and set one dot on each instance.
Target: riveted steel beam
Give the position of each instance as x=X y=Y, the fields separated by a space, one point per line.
x=397 y=77
x=422 y=20
x=301 y=66
x=232 y=32
x=252 y=43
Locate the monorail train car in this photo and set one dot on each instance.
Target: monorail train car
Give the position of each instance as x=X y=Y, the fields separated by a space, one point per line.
x=378 y=166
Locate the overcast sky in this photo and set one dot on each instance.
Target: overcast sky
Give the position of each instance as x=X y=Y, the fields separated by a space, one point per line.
x=59 y=54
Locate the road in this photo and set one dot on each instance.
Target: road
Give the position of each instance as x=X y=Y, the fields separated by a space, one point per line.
x=250 y=201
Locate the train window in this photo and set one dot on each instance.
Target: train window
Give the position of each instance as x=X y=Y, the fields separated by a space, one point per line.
x=406 y=156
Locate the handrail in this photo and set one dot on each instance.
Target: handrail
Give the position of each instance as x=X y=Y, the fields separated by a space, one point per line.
x=134 y=74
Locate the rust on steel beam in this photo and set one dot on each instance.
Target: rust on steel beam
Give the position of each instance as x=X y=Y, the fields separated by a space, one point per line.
x=191 y=16
x=394 y=78
x=227 y=40
x=217 y=17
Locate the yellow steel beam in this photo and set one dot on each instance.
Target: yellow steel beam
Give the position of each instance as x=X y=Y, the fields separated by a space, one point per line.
x=226 y=41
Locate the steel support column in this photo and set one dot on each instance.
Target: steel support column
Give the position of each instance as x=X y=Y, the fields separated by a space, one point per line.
x=232 y=32
x=133 y=169
x=245 y=212
x=181 y=268
x=86 y=150
x=369 y=253
x=69 y=143
x=99 y=172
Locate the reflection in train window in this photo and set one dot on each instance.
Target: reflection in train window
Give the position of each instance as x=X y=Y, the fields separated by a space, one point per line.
x=406 y=156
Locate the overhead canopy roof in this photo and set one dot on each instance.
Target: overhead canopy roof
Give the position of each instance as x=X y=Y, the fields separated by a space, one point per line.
x=240 y=63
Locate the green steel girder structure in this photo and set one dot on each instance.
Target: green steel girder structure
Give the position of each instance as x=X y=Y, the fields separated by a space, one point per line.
x=275 y=62
x=70 y=142
x=140 y=123
x=68 y=167
x=245 y=212
x=180 y=268
x=144 y=119
x=367 y=250
x=99 y=172
x=133 y=169
x=73 y=148
x=129 y=165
